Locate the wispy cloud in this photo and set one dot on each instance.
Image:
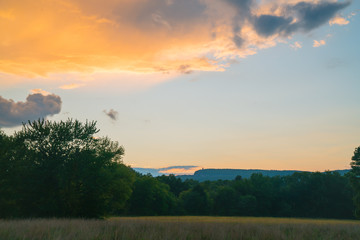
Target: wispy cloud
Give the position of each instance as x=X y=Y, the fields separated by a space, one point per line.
x=319 y=43
x=112 y=114
x=353 y=13
x=40 y=91
x=148 y=36
x=71 y=86
x=296 y=45
x=176 y=170
x=338 y=20
x=179 y=170
x=36 y=106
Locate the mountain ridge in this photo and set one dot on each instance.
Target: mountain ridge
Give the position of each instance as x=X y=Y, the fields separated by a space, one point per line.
x=214 y=174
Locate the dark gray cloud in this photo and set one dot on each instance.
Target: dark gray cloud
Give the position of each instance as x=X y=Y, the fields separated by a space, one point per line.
x=312 y=15
x=308 y=17
x=243 y=8
x=267 y=25
x=238 y=41
x=112 y=114
x=36 y=106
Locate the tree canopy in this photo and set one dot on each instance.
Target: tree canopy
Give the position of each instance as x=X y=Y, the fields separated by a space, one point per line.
x=355 y=180
x=62 y=169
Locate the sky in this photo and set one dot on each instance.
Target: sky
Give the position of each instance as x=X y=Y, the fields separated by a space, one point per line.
x=250 y=84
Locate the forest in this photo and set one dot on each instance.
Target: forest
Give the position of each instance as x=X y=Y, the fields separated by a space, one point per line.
x=61 y=169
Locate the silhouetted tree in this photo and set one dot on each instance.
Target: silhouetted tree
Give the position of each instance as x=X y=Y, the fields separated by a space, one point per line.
x=61 y=169
x=7 y=183
x=355 y=180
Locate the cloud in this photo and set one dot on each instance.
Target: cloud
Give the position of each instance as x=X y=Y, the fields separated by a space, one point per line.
x=40 y=91
x=71 y=86
x=296 y=45
x=313 y=15
x=353 y=13
x=36 y=106
x=319 y=43
x=338 y=20
x=176 y=170
x=179 y=170
x=268 y=25
x=142 y=36
x=157 y=18
x=299 y=17
x=112 y=114
x=186 y=69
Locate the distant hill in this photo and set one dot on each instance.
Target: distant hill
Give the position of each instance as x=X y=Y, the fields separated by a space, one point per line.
x=230 y=174
x=216 y=174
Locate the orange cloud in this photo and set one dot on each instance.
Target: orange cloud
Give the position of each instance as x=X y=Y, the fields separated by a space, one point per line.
x=40 y=91
x=319 y=43
x=296 y=45
x=180 y=171
x=71 y=86
x=85 y=36
x=70 y=36
x=338 y=20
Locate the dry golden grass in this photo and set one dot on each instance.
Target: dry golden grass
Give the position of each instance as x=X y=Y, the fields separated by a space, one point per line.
x=181 y=228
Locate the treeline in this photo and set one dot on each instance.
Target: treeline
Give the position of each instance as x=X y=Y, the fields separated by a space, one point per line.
x=51 y=169
x=311 y=195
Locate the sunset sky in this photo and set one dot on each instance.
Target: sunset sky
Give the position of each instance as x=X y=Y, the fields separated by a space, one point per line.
x=252 y=84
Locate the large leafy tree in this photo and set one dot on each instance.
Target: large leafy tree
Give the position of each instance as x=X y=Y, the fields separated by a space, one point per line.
x=355 y=180
x=62 y=169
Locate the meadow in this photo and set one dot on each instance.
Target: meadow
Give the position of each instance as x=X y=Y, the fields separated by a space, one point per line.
x=179 y=228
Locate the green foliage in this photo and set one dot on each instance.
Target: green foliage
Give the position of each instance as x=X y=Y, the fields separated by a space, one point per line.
x=325 y=195
x=176 y=184
x=355 y=180
x=195 y=201
x=320 y=195
x=7 y=163
x=152 y=197
x=61 y=169
x=226 y=201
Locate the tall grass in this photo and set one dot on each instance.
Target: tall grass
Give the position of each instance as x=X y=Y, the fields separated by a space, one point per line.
x=181 y=228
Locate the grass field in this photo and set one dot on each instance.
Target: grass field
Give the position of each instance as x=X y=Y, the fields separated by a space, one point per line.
x=182 y=228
